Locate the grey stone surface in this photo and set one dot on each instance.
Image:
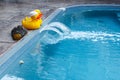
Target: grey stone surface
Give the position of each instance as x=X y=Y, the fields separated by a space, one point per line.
x=13 y=11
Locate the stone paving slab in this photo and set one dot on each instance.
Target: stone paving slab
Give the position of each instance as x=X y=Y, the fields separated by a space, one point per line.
x=13 y=11
x=5 y=46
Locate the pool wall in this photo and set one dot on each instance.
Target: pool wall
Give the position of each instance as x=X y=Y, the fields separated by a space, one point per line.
x=12 y=54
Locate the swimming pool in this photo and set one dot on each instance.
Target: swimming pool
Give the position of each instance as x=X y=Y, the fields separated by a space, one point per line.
x=75 y=43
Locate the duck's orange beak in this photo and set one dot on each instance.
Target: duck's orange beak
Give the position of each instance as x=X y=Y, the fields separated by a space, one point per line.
x=39 y=16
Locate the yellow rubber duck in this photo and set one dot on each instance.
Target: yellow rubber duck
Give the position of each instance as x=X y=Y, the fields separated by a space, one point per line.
x=34 y=21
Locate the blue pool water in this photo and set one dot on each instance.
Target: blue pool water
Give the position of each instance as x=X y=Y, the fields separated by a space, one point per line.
x=82 y=45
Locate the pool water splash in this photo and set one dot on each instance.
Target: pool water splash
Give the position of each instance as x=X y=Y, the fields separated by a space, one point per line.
x=61 y=32
x=58 y=27
x=54 y=32
x=94 y=36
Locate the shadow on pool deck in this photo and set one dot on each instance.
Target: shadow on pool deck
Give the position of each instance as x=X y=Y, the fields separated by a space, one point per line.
x=12 y=12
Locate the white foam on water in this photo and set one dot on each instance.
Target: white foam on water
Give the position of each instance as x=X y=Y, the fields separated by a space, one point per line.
x=93 y=36
x=57 y=27
x=65 y=33
x=98 y=36
x=9 y=77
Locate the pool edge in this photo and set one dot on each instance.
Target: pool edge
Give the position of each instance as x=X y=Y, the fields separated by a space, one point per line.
x=15 y=47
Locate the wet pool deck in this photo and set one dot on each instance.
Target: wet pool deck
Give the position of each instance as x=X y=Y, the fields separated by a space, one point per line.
x=12 y=12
